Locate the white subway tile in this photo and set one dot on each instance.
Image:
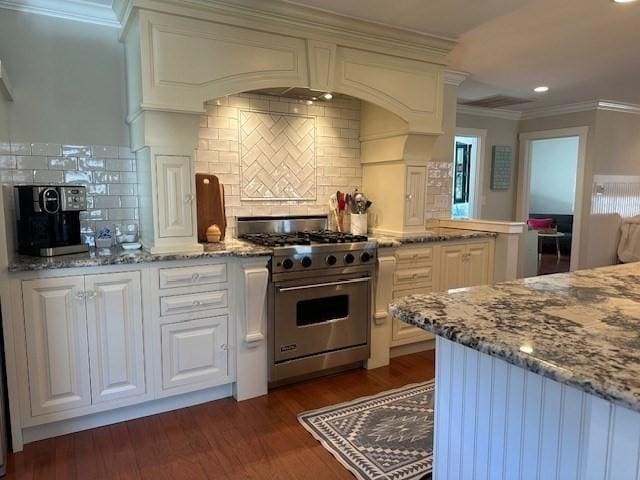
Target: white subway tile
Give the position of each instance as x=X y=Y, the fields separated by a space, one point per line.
x=105 y=151
x=63 y=163
x=125 y=153
x=5 y=148
x=259 y=104
x=46 y=149
x=228 y=112
x=218 y=122
x=121 y=189
x=48 y=176
x=32 y=163
x=119 y=165
x=20 y=148
x=208 y=133
x=76 y=150
x=77 y=177
x=22 y=176
x=7 y=161
x=106 y=201
x=240 y=102
x=228 y=134
x=275 y=106
x=90 y=164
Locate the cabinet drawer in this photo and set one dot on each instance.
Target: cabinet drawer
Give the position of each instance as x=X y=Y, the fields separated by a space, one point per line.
x=408 y=277
x=414 y=256
x=190 y=276
x=195 y=353
x=195 y=302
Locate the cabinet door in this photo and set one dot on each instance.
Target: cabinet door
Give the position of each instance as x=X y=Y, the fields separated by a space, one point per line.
x=403 y=333
x=175 y=196
x=56 y=340
x=114 y=317
x=477 y=265
x=195 y=353
x=452 y=267
x=416 y=185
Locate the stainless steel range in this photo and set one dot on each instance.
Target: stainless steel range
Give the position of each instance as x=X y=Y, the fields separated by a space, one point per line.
x=320 y=295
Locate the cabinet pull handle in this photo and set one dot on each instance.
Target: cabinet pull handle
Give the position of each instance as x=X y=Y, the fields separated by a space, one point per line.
x=90 y=295
x=195 y=277
x=224 y=346
x=80 y=295
x=196 y=303
x=188 y=198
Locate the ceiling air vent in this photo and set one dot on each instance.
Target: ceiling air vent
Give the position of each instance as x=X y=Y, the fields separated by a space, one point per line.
x=495 y=101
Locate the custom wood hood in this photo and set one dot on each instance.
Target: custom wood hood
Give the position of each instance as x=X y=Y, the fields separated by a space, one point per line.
x=182 y=54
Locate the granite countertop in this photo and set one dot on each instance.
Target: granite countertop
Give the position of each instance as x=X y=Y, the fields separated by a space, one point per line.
x=581 y=329
x=438 y=234
x=117 y=256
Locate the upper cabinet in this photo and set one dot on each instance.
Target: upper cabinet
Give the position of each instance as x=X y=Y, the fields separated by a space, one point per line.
x=174 y=196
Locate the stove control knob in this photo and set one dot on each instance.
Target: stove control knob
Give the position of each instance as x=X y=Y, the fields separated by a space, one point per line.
x=365 y=257
x=349 y=258
x=306 y=262
x=331 y=260
x=287 y=263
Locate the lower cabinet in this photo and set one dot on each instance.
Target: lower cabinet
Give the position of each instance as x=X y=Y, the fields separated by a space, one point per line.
x=465 y=265
x=403 y=333
x=195 y=353
x=84 y=340
x=57 y=344
x=114 y=323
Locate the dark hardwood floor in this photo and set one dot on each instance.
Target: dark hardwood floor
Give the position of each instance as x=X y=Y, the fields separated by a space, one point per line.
x=255 y=439
x=549 y=263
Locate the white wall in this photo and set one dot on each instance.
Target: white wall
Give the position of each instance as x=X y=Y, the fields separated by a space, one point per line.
x=554 y=165
x=68 y=80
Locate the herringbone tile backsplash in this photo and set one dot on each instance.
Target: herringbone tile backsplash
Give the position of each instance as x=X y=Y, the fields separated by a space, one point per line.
x=280 y=156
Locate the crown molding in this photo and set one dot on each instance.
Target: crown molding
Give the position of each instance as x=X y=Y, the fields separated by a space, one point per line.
x=622 y=107
x=560 y=110
x=608 y=105
x=277 y=16
x=78 y=10
x=455 y=77
x=489 y=112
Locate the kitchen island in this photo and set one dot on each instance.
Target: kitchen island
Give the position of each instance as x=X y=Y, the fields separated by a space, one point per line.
x=536 y=378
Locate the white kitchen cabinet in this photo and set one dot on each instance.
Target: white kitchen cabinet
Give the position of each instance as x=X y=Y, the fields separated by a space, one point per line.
x=84 y=340
x=403 y=333
x=195 y=354
x=116 y=349
x=415 y=188
x=56 y=343
x=175 y=196
x=465 y=265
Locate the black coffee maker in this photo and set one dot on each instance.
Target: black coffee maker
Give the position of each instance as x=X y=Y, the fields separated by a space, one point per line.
x=48 y=219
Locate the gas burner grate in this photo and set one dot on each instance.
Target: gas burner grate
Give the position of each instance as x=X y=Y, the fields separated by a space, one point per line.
x=275 y=239
x=329 y=236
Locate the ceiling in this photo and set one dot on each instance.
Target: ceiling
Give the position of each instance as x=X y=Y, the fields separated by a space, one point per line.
x=582 y=49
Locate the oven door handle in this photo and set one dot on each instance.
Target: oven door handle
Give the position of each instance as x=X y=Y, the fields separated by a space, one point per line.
x=328 y=284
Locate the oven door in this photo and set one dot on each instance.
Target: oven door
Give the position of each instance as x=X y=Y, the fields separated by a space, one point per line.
x=319 y=317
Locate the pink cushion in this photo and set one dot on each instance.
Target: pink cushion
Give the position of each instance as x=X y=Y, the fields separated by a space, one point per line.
x=540 y=223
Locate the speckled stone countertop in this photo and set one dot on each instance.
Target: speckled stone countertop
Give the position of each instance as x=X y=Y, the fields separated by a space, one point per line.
x=438 y=234
x=580 y=329
x=117 y=256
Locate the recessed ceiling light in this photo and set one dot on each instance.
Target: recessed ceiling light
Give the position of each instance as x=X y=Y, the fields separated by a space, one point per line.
x=327 y=96
x=624 y=1
x=541 y=89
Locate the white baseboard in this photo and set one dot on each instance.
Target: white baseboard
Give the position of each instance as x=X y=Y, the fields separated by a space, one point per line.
x=64 y=427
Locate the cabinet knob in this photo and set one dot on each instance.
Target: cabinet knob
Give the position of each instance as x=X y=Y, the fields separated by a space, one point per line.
x=224 y=346
x=409 y=196
x=188 y=198
x=90 y=295
x=196 y=303
x=80 y=295
x=195 y=277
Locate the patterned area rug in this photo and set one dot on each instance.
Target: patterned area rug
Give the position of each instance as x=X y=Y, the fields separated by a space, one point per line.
x=388 y=436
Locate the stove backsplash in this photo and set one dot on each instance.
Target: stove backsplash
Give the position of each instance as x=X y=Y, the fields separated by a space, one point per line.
x=239 y=141
x=108 y=171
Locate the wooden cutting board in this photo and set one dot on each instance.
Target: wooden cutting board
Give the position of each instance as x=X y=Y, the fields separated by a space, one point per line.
x=210 y=205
